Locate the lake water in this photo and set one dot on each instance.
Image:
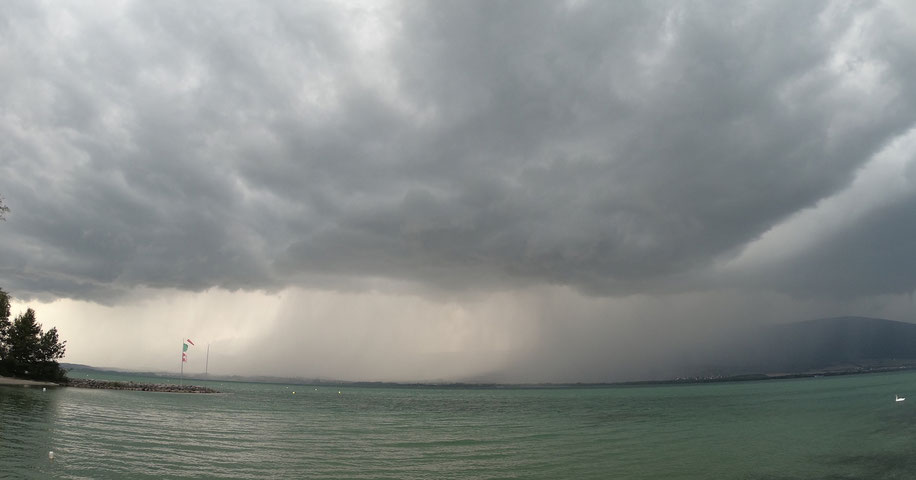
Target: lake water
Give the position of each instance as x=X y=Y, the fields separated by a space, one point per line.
x=819 y=428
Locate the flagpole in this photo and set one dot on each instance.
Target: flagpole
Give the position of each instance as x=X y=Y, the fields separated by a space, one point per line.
x=207 y=365
x=181 y=372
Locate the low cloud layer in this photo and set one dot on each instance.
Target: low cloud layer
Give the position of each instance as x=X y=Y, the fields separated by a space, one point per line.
x=458 y=148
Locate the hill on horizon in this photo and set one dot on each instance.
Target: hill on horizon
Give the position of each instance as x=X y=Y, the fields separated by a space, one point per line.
x=847 y=342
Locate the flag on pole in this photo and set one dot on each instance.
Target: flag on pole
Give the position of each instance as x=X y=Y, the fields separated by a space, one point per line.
x=184 y=349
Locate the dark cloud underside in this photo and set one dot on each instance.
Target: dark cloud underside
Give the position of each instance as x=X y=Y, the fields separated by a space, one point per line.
x=610 y=147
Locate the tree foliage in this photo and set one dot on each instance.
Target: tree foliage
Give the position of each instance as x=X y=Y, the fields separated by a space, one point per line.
x=4 y=324
x=26 y=350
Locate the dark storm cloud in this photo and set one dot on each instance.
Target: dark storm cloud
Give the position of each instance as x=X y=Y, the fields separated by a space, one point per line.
x=873 y=258
x=610 y=147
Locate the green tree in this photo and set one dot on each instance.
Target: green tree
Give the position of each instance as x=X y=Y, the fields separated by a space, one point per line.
x=30 y=352
x=4 y=326
x=24 y=338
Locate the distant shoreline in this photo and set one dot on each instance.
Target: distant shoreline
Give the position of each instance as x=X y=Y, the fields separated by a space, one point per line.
x=757 y=377
x=750 y=377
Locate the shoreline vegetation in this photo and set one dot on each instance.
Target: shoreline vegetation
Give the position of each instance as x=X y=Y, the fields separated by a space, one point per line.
x=26 y=349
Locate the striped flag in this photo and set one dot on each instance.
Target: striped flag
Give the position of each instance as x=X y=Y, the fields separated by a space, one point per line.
x=189 y=341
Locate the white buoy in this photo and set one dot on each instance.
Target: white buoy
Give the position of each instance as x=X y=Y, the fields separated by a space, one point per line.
x=899 y=399
x=51 y=456
x=43 y=389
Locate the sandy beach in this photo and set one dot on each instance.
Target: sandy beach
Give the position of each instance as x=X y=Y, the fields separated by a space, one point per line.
x=24 y=382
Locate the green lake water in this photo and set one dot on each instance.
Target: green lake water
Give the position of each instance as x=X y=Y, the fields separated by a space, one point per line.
x=818 y=428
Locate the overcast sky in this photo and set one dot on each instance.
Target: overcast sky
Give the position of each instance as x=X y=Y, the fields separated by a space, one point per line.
x=452 y=190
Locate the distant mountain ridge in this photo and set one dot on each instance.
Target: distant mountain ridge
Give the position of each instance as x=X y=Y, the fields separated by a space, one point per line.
x=838 y=342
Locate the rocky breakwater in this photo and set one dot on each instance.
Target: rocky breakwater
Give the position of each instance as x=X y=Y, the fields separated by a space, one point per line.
x=142 y=387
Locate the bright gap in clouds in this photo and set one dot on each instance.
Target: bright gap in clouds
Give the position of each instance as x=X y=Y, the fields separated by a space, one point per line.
x=297 y=333
x=886 y=179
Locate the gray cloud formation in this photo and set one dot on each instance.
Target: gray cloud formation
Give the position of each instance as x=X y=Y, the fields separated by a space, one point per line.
x=614 y=148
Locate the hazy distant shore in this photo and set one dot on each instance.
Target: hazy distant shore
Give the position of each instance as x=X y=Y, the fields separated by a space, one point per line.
x=774 y=376
x=743 y=377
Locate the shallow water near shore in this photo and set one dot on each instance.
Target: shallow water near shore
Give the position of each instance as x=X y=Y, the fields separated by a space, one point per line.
x=818 y=428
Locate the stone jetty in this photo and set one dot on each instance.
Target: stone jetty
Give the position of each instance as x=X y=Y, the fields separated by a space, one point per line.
x=142 y=387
